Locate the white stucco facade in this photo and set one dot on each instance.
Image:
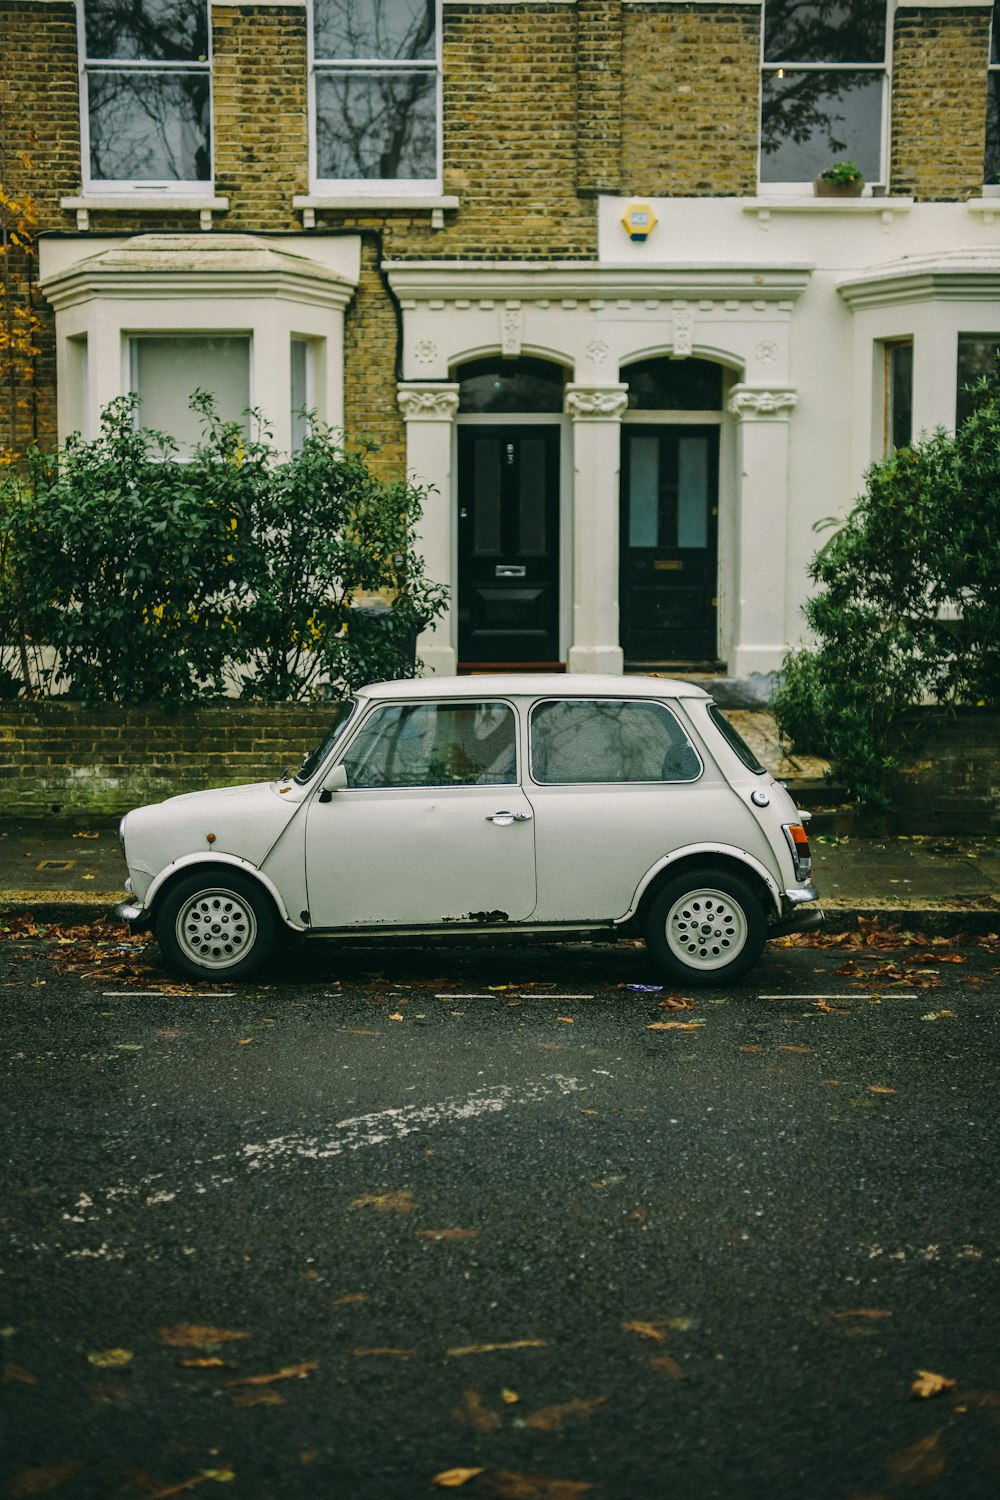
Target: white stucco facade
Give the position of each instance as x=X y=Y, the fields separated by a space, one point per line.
x=794 y=298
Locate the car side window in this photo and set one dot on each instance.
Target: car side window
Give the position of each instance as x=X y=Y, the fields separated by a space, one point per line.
x=435 y=744
x=587 y=740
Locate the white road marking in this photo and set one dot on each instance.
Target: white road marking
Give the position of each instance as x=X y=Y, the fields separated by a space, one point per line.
x=388 y=1125
x=853 y=995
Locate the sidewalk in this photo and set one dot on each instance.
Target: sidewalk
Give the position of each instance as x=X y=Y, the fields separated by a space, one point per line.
x=74 y=872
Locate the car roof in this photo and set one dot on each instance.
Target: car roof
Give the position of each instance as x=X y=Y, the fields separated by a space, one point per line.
x=534 y=685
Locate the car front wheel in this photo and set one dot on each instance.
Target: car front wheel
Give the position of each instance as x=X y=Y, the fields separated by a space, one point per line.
x=217 y=925
x=706 y=927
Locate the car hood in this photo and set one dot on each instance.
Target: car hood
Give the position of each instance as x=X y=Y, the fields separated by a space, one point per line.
x=243 y=821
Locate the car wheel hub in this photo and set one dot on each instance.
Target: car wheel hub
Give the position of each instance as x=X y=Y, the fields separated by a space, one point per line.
x=706 y=929
x=215 y=929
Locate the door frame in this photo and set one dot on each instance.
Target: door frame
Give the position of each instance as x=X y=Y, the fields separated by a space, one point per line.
x=698 y=418
x=565 y=559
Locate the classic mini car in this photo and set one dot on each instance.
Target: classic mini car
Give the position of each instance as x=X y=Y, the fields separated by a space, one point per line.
x=546 y=804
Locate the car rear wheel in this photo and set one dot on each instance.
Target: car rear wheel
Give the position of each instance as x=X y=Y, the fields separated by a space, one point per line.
x=216 y=926
x=706 y=927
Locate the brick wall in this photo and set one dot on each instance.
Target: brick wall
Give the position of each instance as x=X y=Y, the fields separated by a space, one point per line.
x=60 y=760
x=259 y=113
x=950 y=777
x=599 y=92
x=691 y=99
x=939 y=102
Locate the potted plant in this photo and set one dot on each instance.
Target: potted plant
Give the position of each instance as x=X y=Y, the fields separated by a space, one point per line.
x=843 y=180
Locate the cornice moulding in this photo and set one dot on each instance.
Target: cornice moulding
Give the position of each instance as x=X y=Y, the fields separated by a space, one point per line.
x=971 y=275
x=537 y=281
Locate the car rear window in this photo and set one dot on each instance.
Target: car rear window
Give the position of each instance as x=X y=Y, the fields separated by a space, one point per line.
x=735 y=741
x=594 y=739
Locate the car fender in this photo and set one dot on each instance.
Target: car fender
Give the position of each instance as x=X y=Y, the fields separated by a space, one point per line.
x=728 y=851
x=193 y=862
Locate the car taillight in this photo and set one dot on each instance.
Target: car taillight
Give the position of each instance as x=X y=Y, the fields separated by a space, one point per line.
x=798 y=843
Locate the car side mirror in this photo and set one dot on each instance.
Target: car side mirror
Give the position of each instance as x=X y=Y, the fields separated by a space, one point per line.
x=334 y=781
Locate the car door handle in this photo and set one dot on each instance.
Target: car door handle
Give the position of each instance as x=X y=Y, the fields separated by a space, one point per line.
x=503 y=819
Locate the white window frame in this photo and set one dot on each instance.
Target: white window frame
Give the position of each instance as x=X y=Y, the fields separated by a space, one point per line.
x=374 y=187
x=992 y=189
x=883 y=69
x=169 y=187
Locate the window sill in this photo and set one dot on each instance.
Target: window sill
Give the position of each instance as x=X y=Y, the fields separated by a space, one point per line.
x=433 y=203
x=203 y=204
x=885 y=208
x=989 y=207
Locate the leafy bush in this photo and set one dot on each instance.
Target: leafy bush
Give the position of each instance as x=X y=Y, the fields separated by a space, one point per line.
x=909 y=607
x=126 y=575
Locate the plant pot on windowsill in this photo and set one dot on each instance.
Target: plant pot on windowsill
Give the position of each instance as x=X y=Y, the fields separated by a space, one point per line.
x=843 y=180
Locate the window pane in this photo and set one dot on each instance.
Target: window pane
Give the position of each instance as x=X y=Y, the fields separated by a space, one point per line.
x=899 y=395
x=149 y=127
x=384 y=29
x=692 y=492
x=167 y=371
x=643 y=491
x=991 y=166
x=522 y=385
x=587 y=741
x=376 y=125
x=995 y=36
x=154 y=30
x=824 y=31
x=674 y=385
x=430 y=744
x=978 y=356
x=486 y=486
x=299 y=392
x=810 y=120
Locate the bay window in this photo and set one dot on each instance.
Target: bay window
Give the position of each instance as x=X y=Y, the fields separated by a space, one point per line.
x=165 y=370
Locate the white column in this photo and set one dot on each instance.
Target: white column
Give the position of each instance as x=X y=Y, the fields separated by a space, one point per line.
x=597 y=422
x=761 y=627
x=429 y=412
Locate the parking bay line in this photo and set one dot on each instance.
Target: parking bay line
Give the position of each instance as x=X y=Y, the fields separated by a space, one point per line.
x=854 y=995
x=517 y=995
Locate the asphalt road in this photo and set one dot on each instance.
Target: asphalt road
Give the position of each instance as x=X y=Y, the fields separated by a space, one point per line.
x=401 y=1212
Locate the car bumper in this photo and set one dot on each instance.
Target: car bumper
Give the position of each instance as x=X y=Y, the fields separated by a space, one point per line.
x=132 y=914
x=793 y=919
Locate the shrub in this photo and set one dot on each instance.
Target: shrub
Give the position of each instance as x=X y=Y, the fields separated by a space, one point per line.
x=909 y=604
x=126 y=575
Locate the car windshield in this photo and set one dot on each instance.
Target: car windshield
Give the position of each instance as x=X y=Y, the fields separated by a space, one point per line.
x=315 y=758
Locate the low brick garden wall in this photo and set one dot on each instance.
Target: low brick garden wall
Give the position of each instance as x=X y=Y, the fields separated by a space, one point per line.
x=61 y=760
x=950 y=781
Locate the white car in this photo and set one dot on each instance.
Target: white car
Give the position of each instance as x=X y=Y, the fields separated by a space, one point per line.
x=545 y=804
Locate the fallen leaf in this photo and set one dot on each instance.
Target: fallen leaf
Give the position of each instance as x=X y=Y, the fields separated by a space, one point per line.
x=256 y=1398
x=864 y=1312
x=211 y=1362
x=509 y=1397
x=288 y=1372
x=450 y=1479
x=569 y=1020
x=243 y=1041
x=667 y=1366
x=197 y=1336
x=921 y=1463
x=676 y=1002
x=675 y=1025
x=474 y=1414
x=754 y=1047
x=647 y=1330
x=879 y=1088
x=397 y=1016
x=110 y=1359
x=506 y=1485
x=550 y=1418
x=40 y=1481
x=785 y=1048
x=492 y=1348
x=399 y=1202
x=17 y=1375
x=349 y=1298
x=928 y=1384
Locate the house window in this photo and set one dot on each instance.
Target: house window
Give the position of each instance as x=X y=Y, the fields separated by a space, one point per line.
x=991 y=166
x=375 y=94
x=978 y=358
x=165 y=371
x=823 y=88
x=898 y=388
x=146 y=93
x=301 y=391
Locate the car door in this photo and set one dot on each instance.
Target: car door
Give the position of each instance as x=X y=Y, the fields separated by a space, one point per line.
x=432 y=826
x=615 y=784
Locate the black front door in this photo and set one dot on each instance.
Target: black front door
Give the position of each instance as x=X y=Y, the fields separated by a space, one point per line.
x=669 y=547
x=508 y=545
